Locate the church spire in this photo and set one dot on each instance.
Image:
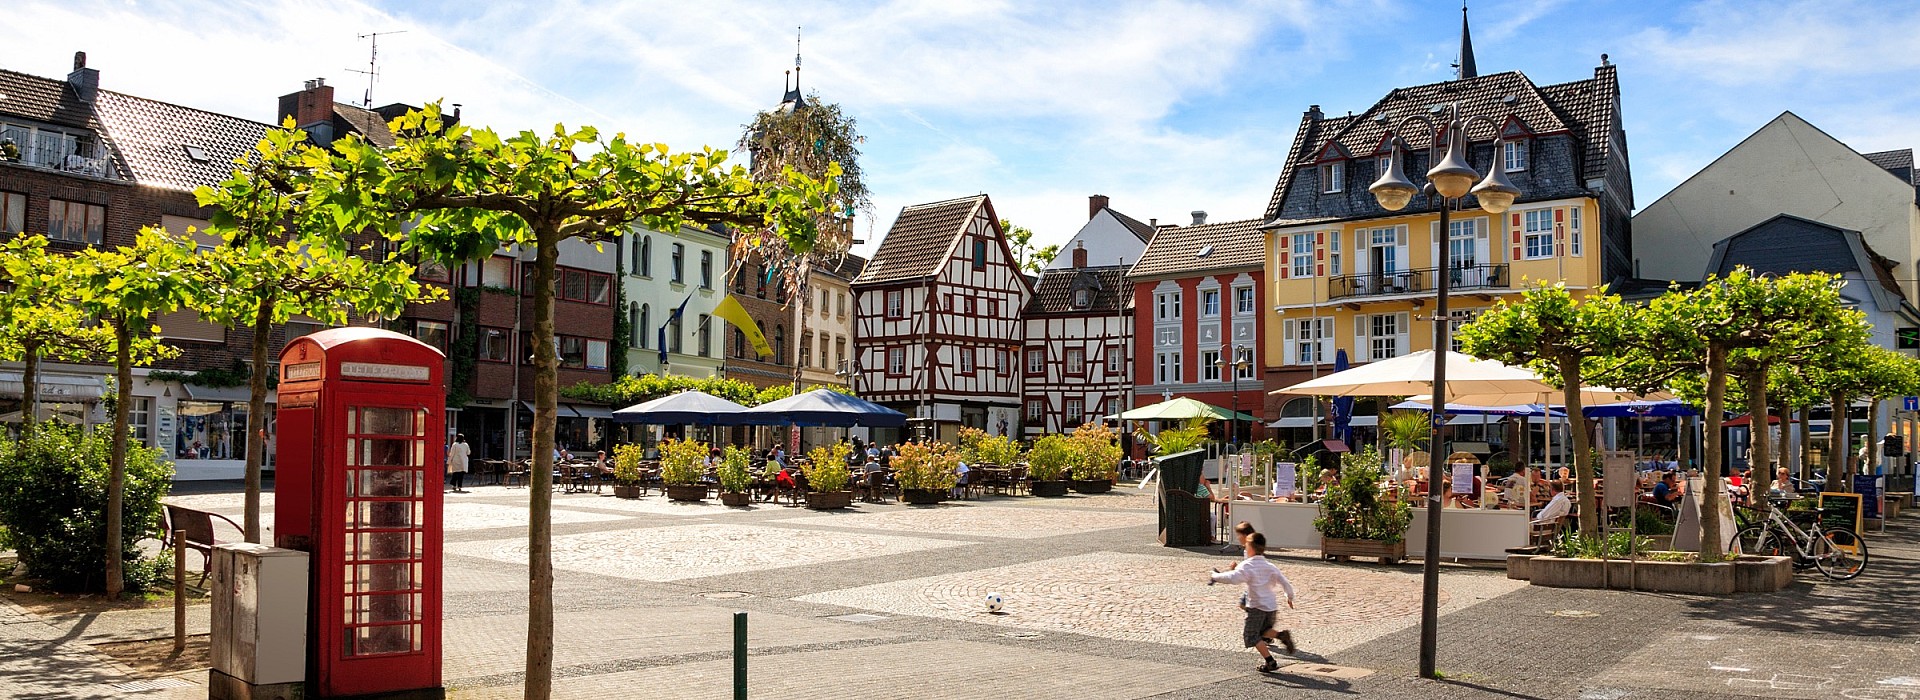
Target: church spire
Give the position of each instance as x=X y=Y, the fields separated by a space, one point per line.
x=792 y=97
x=1465 y=66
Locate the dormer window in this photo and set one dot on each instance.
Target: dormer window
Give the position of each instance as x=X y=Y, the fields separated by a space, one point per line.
x=1514 y=156
x=1332 y=176
x=1082 y=298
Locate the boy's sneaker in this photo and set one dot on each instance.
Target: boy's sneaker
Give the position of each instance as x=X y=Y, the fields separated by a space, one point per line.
x=1286 y=640
x=1270 y=666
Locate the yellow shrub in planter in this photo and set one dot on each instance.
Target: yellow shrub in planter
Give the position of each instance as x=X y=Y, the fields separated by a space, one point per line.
x=828 y=470
x=1051 y=458
x=683 y=462
x=1096 y=452
x=989 y=449
x=926 y=466
x=734 y=477
x=626 y=462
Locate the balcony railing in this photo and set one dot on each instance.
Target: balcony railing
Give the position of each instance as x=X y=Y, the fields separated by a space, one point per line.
x=1415 y=281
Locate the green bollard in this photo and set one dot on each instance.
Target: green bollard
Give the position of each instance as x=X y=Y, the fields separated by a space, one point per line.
x=740 y=655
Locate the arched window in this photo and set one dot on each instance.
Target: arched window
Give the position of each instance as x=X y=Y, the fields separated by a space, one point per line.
x=636 y=328
x=779 y=345
x=643 y=257
x=643 y=328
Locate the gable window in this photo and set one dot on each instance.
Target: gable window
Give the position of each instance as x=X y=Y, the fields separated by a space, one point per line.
x=1116 y=360
x=1076 y=412
x=1082 y=298
x=896 y=360
x=1514 y=156
x=679 y=264
x=1210 y=303
x=75 y=222
x=706 y=269
x=1210 y=366
x=1243 y=301
x=1076 y=361
x=979 y=253
x=13 y=212
x=1036 y=361
x=895 y=309
x=1537 y=231
x=1300 y=255
x=1332 y=176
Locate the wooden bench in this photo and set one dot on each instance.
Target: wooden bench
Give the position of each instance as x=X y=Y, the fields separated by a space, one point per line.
x=197 y=526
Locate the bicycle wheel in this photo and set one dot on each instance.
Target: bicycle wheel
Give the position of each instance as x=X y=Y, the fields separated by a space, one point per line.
x=1755 y=540
x=1840 y=554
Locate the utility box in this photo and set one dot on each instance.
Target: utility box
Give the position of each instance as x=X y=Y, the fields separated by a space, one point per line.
x=259 y=631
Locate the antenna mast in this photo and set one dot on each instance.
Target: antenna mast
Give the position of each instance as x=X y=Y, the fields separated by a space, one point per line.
x=373 y=58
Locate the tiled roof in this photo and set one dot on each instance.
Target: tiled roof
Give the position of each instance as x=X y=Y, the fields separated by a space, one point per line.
x=919 y=240
x=1140 y=230
x=1899 y=162
x=847 y=267
x=1176 y=251
x=153 y=139
x=1583 y=108
x=1054 y=294
x=366 y=122
x=43 y=100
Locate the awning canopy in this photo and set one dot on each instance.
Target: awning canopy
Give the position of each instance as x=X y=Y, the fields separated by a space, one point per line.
x=235 y=394
x=1182 y=408
x=1295 y=422
x=683 y=408
x=55 y=386
x=823 y=408
x=1412 y=373
x=586 y=410
x=559 y=410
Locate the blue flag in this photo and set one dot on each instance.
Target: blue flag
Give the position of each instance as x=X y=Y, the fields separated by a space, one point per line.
x=663 y=327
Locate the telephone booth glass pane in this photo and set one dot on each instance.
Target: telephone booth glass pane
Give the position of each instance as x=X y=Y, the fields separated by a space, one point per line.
x=385 y=501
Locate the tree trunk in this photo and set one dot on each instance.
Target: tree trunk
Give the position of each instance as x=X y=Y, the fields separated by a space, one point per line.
x=1582 y=450
x=1837 y=445
x=257 y=416
x=1873 y=432
x=1712 y=541
x=546 y=399
x=117 y=463
x=29 y=382
x=1760 y=452
x=1805 y=426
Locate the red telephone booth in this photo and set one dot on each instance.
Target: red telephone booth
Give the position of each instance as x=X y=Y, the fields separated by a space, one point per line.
x=361 y=416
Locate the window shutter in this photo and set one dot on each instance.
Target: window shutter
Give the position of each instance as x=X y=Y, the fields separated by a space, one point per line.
x=1286 y=254
x=1361 y=349
x=1481 y=248
x=1361 y=251
x=1287 y=349
x=1401 y=325
x=1324 y=339
x=1400 y=260
x=1436 y=235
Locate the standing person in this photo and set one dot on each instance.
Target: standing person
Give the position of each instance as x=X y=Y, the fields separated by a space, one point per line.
x=457 y=455
x=1260 y=577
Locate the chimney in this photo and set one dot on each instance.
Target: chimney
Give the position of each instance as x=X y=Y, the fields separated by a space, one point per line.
x=1094 y=204
x=1153 y=223
x=85 y=81
x=311 y=109
x=1313 y=112
x=1199 y=217
x=1080 y=254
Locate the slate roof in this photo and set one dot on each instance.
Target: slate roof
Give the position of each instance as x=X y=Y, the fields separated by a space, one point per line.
x=1054 y=295
x=1585 y=109
x=1899 y=162
x=1786 y=244
x=848 y=267
x=1140 y=230
x=1175 y=251
x=152 y=137
x=920 y=239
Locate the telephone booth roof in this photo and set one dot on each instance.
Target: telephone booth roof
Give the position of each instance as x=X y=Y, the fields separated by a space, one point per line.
x=372 y=351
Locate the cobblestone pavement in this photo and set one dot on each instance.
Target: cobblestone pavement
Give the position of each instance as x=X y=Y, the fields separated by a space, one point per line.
x=885 y=601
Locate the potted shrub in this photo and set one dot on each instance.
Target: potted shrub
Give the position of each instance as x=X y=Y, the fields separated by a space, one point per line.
x=1355 y=520
x=827 y=477
x=926 y=472
x=1049 y=464
x=1096 y=459
x=626 y=470
x=682 y=464
x=734 y=477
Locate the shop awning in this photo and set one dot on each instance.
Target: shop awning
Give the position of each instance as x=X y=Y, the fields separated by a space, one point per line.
x=560 y=410
x=1294 y=422
x=1364 y=421
x=236 y=394
x=591 y=411
x=55 y=387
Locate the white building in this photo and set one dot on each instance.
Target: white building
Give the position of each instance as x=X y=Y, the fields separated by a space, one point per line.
x=662 y=271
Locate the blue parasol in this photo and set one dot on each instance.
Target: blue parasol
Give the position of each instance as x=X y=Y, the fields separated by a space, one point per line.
x=1630 y=409
x=1342 y=405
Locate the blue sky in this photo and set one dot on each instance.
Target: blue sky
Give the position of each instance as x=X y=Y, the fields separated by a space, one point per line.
x=1166 y=106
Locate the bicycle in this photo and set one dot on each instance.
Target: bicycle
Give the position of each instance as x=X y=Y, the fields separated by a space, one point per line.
x=1839 y=553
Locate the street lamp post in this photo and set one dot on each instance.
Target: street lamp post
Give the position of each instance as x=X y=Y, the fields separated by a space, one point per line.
x=1452 y=178
x=1242 y=359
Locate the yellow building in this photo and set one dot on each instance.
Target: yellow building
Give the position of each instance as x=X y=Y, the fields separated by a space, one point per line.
x=1348 y=275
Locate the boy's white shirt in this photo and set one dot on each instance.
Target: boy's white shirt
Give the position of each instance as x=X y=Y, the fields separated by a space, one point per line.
x=1260 y=577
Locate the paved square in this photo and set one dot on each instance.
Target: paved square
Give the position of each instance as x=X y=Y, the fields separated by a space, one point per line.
x=1147 y=598
x=694 y=551
x=486 y=516
x=652 y=504
x=980 y=521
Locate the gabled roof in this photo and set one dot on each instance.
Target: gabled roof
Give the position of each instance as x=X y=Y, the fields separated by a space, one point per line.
x=1795 y=244
x=1108 y=284
x=1182 y=251
x=153 y=140
x=847 y=267
x=1140 y=230
x=369 y=124
x=921 y=239
x=1583 y=108
x=44 y=100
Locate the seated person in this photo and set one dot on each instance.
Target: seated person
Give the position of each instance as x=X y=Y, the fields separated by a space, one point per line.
x=1782 y=484
x=1668 y=491
x=784 y=479
x=1556 y=508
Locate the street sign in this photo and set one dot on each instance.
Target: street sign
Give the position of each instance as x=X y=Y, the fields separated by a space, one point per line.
x=1910 y=403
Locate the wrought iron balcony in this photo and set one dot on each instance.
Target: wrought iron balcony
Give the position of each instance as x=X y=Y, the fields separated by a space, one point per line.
x=1415 y=281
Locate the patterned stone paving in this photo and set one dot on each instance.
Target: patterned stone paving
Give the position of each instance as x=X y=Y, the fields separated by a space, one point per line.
x=1147 y=598
x=971 y=520
x=695 y=551
x=220 y=502
x=651 y=504
x=485 y=516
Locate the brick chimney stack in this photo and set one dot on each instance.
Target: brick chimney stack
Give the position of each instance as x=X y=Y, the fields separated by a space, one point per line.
x=85 y=81
x=311 y=107
x=1094 y=204
x=1080 y=254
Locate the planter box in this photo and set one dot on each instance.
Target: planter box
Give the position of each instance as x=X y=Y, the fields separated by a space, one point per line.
x=1658 y=576
x=1048 y=488
x=829 y=500
x=731 y=498
x=1092 y=485
x=1339 y=549
x=923 y=497
x=626 y=491
x=1520 y=566
x=687 y=492
x=1758 y=574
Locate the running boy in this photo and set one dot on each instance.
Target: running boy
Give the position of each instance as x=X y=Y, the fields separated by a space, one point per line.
x=1260 y=577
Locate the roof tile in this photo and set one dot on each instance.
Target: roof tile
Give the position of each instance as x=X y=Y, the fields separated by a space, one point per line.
x=919 y=240
x=1054 y=293
x=153 y=137
x=1177 y=250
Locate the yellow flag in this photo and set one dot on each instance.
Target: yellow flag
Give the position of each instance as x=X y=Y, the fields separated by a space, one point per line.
x=732 y=312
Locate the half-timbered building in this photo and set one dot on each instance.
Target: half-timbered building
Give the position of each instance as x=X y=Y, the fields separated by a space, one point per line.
x=938 y=321
x=1079 y=330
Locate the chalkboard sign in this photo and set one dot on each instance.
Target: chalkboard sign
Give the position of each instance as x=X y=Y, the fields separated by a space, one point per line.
x=1868 y=486
x=1843 y=510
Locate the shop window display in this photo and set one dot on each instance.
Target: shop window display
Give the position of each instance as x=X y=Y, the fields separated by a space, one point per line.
x=211 y=430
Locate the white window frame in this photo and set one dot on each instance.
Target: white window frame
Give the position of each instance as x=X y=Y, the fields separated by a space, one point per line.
x=1244 y=373
x=1036 y=361
x=1076 y=361
x=1300 y=256
x=1333 y=254
x=1166 y=368
x=967 y=359
x=1210 y=366
x=1513 y=156
x=13 y=212
x=1333 y=177
x=679 y=264
x=1308 y=340
x=1209 y=303
x=1166 y=306
x=1243 y=301
x=1574 y=232
x=1536 y=234
x=896 y=304
x=1036 y=409
x=1116 y=360
x=896 y=360
x=1076 y=412
x=1382 y=336
x=1465 y=316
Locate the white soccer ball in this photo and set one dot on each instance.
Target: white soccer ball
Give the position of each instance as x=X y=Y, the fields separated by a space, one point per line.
x=995 y=603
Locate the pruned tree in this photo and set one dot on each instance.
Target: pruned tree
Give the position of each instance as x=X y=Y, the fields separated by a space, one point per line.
x=1557 y=335
x=472 y=191
x=273 y=266
x=37 y=323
